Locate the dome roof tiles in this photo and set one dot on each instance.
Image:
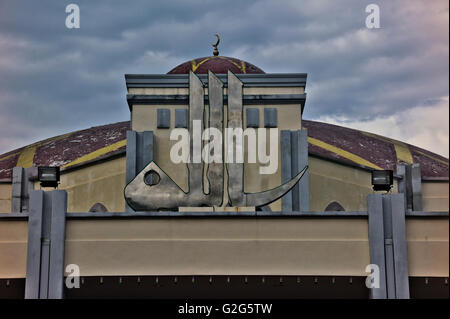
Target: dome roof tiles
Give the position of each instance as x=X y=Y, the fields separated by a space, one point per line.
x=217 y=64
x=344 y=145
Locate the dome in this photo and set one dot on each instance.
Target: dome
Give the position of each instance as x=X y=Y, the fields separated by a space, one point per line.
x=330 y=142
x=217 y=64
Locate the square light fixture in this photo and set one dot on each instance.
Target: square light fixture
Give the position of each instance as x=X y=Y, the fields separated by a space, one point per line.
x=382 y=180
x=48 y=176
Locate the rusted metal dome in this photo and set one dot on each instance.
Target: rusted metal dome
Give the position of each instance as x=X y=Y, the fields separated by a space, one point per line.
x=217 y=64
x=331 y=142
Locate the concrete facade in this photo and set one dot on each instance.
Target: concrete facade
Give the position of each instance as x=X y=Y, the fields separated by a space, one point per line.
x=252 y=245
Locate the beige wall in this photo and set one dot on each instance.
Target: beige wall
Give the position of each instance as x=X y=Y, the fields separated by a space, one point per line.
x=5 y=198
x=100 y=183
x=13 y=248
x=184 y=246
x=191 y=246
x=428 y=246
x=435 y=196
x=329 y=181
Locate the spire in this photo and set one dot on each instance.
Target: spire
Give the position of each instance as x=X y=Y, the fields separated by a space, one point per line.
x=216 y=52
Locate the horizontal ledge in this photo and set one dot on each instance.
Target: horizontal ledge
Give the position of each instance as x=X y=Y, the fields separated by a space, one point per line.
x=248 y=80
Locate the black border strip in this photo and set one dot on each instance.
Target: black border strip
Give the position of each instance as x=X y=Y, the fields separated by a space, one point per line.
x=136 y=99
x=125 y=215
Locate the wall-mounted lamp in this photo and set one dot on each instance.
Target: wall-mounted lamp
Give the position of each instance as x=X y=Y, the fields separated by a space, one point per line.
x=48 y=176
x=382 y=180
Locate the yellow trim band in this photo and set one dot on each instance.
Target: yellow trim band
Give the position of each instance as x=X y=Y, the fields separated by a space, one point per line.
x=195 y=66
x=342 y=153
x=403 y=153
x=97 y=153
x=26 y=157
x=401 y=149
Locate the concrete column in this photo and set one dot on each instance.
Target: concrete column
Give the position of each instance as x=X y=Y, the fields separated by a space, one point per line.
x=410 y=185
x=286 y=168
x=376 y=242
x=302 y=188
x=46 y=242
x=294 y=157
x=388 y=248
x=22 y=185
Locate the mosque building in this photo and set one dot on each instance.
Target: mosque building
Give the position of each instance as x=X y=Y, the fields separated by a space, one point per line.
x=136 y=224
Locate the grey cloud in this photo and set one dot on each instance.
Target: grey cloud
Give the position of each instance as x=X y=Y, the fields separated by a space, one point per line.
x=55 y=80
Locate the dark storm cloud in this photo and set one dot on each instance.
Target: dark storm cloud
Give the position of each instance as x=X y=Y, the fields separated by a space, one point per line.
x=54 y=80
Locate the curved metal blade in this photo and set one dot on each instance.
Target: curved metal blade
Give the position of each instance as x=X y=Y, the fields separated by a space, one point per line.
x=271 y=195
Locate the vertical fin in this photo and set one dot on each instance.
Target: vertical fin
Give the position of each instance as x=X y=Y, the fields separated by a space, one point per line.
x=235 y=170
x=215 y=170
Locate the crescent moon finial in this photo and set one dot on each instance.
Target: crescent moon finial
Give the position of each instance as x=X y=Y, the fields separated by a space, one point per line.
x=216 y=52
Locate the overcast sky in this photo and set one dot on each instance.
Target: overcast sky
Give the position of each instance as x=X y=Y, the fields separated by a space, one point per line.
x=392 y=81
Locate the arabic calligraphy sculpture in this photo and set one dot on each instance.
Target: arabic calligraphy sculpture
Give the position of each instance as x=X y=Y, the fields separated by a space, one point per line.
x=166 y=194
